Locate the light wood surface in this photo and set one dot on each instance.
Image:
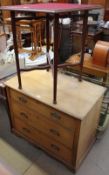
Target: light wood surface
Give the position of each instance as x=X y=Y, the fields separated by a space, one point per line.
x=67 y=130
x=74 y=97
x=41 y=139
x=88 y=63
x=89 y=67
x=57 y=132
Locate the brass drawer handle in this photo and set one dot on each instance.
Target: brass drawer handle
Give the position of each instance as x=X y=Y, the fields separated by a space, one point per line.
x=56 y=115
x=23 y=115
x=26 y=130
x=55 y=132
x=23 y=100
x=55 y=147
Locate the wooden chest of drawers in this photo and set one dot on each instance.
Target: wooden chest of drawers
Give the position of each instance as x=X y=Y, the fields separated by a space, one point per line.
x=55 y=128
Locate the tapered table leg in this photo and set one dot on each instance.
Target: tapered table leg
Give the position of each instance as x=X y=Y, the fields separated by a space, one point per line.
x=13 y=22
x=84 y=35
x=56 y=34
x=47 y=36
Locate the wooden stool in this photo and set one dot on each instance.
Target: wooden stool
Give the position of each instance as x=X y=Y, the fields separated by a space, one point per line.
x=34 y=27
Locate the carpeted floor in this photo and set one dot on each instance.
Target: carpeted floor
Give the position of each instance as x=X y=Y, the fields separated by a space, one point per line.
x=5 y=170
x=9 y=69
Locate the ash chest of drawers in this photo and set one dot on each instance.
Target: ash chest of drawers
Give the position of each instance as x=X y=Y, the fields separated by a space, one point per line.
x=66 y=130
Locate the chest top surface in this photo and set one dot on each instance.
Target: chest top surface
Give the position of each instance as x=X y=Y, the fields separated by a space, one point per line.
x=50 y=7
x=73 y=97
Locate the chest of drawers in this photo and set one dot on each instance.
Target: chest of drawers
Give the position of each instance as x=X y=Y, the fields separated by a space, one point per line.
x=57 y=129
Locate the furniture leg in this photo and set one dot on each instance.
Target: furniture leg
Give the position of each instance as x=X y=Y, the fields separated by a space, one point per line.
x=13 y=22
x=32 y=38
x=19 y=36
x=84 y=34
x=47 y=36
x=56 y=18
x=104 y=80
x=35 y=38
x=40 y=40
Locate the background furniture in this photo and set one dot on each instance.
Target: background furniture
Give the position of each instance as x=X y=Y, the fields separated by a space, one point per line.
x=34 y=27
x=92 y=38
x=89 y=68
x=105 y=34
x=101 y=54
x=106 y=17
x=67 y=130
x=6 y=14
x=104 y=3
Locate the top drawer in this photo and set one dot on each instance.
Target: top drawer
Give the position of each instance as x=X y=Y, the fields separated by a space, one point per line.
x=47 y=111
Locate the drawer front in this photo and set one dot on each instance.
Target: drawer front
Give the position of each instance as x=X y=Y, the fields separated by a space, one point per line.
x=52 y=146
x=44 y=110
x=46 y=126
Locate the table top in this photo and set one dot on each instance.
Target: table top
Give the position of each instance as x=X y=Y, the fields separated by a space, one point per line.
x=73 y=97
x=50 y=7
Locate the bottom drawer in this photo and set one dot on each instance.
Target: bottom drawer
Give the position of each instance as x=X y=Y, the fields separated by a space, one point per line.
x=52 y=146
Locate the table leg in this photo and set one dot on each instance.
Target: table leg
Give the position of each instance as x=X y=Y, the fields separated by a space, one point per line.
x=13 y=22
x=105 y=80
x=84 y=35
x=56 y=34
x=47 y=36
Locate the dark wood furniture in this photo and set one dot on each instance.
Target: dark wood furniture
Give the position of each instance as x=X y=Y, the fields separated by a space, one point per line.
x=53 y=10
x=67 y=130
x=100 y=2
x=91 y=39
x=6 y=14
x=104 y=3
x=106 y=16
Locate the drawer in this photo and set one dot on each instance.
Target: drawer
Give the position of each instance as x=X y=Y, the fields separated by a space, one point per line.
x=52 y=146
x=44 y=125
x=46 y=111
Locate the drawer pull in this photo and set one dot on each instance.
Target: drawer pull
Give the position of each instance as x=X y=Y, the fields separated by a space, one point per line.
x=56 y=115
x=55 y=147
x=26 y=130
x=23 y=115
x=55 y=132
x=23 y=100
